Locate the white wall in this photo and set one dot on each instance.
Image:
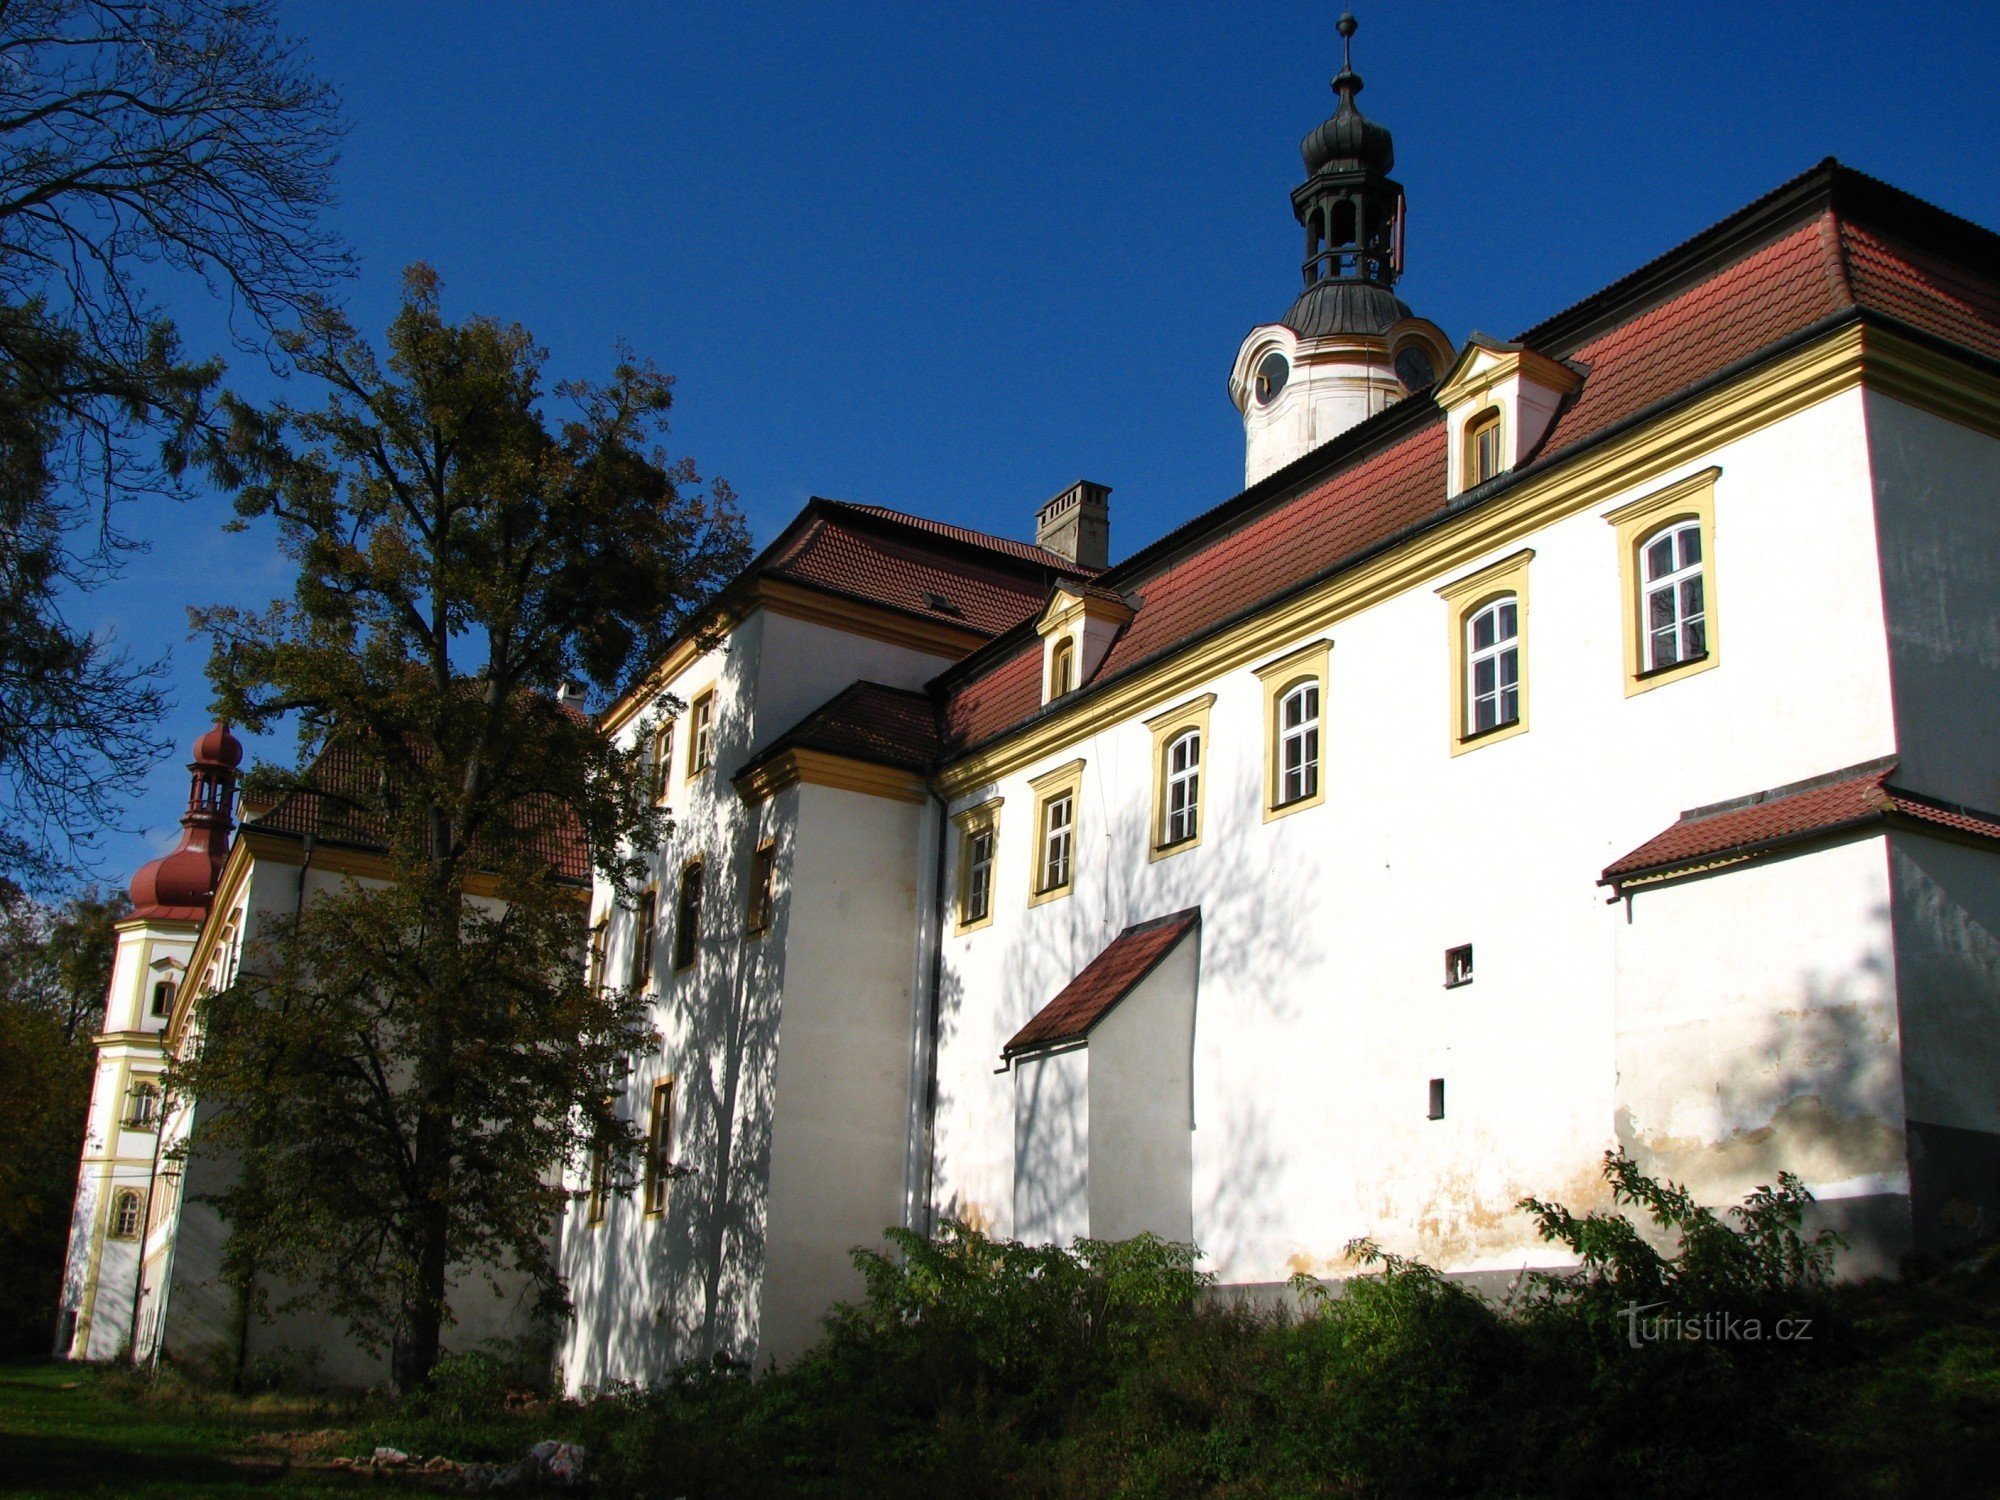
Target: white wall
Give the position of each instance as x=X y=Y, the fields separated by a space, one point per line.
x=709 y=1274
x=1946 y=905
x=842 y=1085
x=1142 y=1105
x=1323 y=1014
x=1937 y=493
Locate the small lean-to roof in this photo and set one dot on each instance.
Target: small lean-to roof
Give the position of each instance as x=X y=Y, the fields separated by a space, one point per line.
x=865 y=721
x=1724 y=833
x=1828 y=248
x=1105 y=980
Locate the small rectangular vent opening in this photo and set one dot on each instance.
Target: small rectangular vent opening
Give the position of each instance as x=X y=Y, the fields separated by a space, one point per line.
x=1437 y=1098
x=1457 y=966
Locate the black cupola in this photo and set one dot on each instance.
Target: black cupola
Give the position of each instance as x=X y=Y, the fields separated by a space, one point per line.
x=1352 y=213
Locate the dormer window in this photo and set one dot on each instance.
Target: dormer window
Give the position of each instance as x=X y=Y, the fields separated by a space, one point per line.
x=1500 y=401
x=1062 y=669
x=1482 y=447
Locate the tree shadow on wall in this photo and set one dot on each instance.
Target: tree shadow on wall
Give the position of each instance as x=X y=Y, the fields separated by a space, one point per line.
x=1257 y=932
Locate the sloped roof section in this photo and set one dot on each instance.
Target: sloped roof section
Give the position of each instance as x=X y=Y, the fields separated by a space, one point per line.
x=339 y=809
x=1006 y=546
x=1105 y=980
x=866 y=721
x=1857 y=798
x=1831 y=244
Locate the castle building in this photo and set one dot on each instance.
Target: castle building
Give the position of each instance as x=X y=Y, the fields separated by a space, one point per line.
x=1583 y=741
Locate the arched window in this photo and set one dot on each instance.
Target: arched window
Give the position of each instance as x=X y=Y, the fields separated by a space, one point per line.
x=1675 y=602
x=1493 y=666
x=687 y=917
x=1183 y=800
x=125 y=1215
x=1062 y=668
x=163 y=997
x=1298 y=743
x=145 y=1111
x=1482 y=448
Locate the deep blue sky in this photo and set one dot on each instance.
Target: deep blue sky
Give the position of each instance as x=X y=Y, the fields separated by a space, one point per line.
x=950 y=259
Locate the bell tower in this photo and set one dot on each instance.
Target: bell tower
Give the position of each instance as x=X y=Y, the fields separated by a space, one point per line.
x=1348 y=347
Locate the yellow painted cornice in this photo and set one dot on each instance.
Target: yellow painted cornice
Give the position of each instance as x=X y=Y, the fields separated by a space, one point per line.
x=1842 y=360
x=820 y=768
x=796 y=602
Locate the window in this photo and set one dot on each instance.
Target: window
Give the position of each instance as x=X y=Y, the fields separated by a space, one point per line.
x=1298 y=743
x=1482 y=448
x=687 y=917
x=1180 y=739
x=1676 y=623
x=701 y=734
x=1183 y=787
x=643 y=927
x=978 y=855
x=1487 y=613
x=145 y=1111
x=1493 y=666
x=1058 y=841
x=1062 y=668
x=1666 y=562
x=125 y=1212
x=663 y=761
x=1294 y=694
x=1057 y=801
x=763 y=892
x=1437 y=1099
x=659 y=1147
x=600 y=938
x=1457 y=966
x=163 y=997
x=600 y=1184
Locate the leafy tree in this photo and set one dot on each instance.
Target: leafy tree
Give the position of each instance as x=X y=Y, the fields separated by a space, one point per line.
x=55 y=966
x=139 y=140
x=408 y=1068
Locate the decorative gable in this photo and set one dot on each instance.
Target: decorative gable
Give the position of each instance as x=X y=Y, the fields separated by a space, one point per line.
x=1077 y=627
x=1499 y=401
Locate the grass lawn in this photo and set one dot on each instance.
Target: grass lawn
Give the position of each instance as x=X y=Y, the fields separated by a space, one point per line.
x=72 y=1430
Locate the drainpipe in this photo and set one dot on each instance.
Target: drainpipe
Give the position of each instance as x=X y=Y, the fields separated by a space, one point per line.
x=923 y=1157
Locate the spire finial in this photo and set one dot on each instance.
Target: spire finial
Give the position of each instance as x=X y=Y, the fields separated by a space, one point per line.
x=1347 y=83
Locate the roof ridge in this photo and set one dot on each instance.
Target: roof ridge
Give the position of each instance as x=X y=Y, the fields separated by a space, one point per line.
x=968 y=535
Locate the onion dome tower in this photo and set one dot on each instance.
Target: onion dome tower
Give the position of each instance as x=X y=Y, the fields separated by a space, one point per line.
x=178 y=886
x=1348 y=346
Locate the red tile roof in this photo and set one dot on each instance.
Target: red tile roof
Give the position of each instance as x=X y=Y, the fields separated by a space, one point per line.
x=340 y=809
x=1729 y=832
x=1783 y=269
x=1105 y=980
x=952 y=586
x=865 y=721
x=1024 y=551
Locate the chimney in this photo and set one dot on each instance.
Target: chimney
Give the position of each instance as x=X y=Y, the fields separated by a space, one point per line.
x=1077 y=524
x=572 y=694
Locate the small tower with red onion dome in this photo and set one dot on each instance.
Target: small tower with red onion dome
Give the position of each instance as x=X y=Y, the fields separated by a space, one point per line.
x=171 y=897
x=178 y=886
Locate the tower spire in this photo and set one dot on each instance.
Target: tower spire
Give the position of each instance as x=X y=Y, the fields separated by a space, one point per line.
x=1348 y=346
